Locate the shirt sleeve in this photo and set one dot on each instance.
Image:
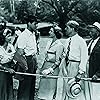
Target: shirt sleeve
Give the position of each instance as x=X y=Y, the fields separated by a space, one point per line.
x=84 y=56
x=59 y=53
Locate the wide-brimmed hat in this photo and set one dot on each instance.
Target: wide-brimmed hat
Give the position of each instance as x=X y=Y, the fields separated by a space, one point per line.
x=73 y=23
x=74 y=88
x=95 y=25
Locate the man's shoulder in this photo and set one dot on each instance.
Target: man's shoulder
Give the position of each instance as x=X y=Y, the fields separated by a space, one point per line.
x=24 y=33
x=79 y=38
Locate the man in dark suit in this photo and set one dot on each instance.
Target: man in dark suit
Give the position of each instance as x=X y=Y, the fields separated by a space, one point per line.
x=94 y=58
x=94 y=52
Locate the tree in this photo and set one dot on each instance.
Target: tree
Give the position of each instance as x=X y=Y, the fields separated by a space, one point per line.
x=60 y=9
x=25 y=10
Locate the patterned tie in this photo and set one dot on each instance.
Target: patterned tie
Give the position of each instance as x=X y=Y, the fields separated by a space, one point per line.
x=68 y=48
x=67 y=55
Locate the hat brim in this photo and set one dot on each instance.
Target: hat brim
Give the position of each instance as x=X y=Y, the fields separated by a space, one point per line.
x=72 y=84
x=93 y=26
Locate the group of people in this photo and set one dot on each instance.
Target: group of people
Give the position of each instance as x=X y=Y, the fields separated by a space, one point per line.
x=75 y=62
x=18 y=54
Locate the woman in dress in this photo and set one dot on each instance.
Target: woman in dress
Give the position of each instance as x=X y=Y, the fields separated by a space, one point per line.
x=6 y=55
x=54 y=50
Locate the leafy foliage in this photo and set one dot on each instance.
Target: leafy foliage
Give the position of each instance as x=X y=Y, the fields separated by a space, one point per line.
x=59 y=11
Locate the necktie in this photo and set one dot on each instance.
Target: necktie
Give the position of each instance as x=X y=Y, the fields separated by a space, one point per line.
x=89 y=49
x=15 y=40
x=68 y=49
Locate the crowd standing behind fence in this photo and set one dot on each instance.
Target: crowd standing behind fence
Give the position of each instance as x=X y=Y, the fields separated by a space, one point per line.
x=58 y=88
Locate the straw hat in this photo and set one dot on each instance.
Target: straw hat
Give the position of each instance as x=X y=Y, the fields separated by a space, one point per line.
x=95 y=25
x=74 y=88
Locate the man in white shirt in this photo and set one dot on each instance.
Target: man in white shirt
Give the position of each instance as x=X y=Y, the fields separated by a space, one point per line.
x=94 y=59
x=77 y=55
x=26 y=45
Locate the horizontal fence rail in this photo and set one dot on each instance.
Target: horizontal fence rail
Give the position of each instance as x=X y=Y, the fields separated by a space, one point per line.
x=50 y=76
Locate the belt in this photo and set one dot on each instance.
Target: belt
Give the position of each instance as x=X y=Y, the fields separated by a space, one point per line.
x=74 y=61
x=31 y=55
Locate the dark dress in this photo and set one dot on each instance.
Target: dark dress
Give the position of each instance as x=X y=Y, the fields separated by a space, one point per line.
x=6 y=85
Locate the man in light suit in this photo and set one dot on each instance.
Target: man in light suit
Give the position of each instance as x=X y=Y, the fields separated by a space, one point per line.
x=76 y=60
x=94 y=59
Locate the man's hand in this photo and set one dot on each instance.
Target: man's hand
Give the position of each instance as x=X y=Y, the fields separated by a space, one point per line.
x=94 y=78
x=11 y=71
x=47 y=71
x=79 y=76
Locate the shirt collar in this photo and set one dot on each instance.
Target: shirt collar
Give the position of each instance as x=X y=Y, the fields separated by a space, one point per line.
x=56 y=42
x=29 y=32
x=97 y=39
x=74 y=36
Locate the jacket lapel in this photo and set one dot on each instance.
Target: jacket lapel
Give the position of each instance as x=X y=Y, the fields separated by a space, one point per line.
x=96 y=46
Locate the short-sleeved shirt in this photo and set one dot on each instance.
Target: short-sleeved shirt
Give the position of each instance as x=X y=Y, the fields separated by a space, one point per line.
x=27 y=42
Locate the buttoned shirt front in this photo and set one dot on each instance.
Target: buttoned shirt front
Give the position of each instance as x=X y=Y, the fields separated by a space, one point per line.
x=78 y=51
x=93 y=44
x=27 y=42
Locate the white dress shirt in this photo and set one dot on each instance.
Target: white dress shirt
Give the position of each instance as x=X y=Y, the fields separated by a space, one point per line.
x=27 y=42
x=78 y=51
x=93 y=44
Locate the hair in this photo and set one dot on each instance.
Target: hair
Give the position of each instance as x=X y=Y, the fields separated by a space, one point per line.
x=7 y=31
x=73 y=25
x=31 y=19
x=58 y=33
x=2 y=40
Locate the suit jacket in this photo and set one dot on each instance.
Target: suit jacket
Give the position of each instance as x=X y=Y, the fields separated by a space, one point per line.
x=94 y=60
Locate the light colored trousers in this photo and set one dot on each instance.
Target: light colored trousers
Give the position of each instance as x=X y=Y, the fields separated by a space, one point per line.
x=71 y=70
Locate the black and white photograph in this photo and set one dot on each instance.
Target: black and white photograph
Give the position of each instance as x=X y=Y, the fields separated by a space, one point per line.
x=49 y=49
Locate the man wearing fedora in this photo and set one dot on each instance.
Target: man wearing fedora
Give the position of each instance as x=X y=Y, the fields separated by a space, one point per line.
x=76 y=60
x=94 y=59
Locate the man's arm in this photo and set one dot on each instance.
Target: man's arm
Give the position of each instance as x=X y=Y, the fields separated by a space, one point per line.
x=84 y=56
